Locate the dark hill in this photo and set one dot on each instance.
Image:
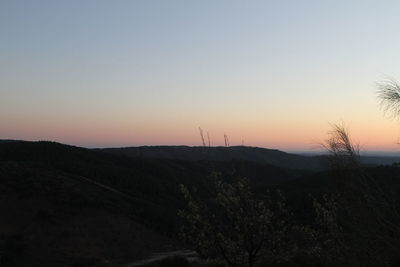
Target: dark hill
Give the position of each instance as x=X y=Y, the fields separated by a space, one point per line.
x=52 y=218
x=2 y=141
x=69 y=206
x=256 y=154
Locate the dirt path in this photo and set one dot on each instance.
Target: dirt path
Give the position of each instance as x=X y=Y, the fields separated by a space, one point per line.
x=190 y=255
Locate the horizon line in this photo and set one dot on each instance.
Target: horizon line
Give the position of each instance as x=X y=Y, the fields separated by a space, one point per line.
x=369 y=152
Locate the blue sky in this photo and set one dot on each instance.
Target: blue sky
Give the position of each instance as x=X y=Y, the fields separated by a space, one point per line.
x=272 y=73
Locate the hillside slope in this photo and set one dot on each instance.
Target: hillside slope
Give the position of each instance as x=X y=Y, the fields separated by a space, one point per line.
x=255 y=154
x=50 y=218
x=70 y=206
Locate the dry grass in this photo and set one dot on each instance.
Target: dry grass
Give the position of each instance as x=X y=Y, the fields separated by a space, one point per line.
x=344 y=153
x=389 y=97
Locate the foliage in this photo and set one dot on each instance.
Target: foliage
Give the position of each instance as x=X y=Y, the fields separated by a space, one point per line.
x=389 y=97
x=368 y=213
x=236 y=226
x=344 y=155
x=329 y=235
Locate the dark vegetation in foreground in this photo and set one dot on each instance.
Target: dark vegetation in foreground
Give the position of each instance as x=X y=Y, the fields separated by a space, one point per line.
x=70 y=206
x=352 y=220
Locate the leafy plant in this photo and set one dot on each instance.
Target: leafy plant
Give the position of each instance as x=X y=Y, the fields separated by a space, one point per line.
x=236 y=226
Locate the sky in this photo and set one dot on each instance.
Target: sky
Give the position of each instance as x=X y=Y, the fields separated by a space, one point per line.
x=267 y=73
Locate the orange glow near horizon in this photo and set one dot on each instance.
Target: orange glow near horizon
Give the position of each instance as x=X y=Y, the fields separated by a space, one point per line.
x=141 y=73
x=376 y=133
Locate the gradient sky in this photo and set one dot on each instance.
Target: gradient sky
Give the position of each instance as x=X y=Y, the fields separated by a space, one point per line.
x=271 y=73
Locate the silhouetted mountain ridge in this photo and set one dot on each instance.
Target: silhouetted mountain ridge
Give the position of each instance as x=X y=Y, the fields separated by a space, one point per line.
x=255 y=154
x=125 y=203
x=55 y=192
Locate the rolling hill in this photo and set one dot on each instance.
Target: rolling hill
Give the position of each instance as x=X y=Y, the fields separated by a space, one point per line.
x=255 y=154
x=68 y=205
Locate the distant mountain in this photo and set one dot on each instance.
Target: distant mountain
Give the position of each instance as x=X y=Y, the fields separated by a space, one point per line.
x=63 y=205
x=274 y=157
x=70 y=206
x=3 y=141
x=379 y=160
x=255 y=154
x=373 y=158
